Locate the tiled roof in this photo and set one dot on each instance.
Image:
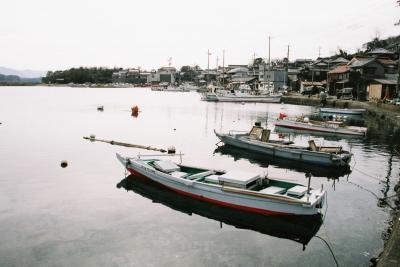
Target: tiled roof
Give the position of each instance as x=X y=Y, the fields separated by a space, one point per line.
x=360 y=62
x=339 y=69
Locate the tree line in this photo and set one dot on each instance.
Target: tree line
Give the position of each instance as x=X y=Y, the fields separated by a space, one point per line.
x=80 y=75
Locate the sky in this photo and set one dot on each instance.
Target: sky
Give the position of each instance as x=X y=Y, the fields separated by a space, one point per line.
x=61 y=34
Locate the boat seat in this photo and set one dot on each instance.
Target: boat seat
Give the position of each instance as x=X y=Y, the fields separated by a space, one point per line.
x=178 y=174
x=212 y=179
x=166 y=166
x=273 y=190
x=200 y=174
x=336 y=150
x=297 y=190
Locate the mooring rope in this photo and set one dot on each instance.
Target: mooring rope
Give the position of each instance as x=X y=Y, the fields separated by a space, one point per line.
x=330 y=249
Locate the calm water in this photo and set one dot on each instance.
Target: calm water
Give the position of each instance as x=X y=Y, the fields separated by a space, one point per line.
x=83 y=215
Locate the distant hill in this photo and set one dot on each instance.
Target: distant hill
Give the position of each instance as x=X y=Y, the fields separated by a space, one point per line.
x=23 y=73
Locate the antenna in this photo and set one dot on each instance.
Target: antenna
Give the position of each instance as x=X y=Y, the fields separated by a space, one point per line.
x=169 y=61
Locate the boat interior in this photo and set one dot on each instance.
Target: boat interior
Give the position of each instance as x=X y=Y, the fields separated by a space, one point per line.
x=232 y=179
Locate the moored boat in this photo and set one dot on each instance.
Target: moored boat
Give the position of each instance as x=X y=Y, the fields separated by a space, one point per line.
x=343 y=111
x=238 y=96
x=320 y=127
x=257 y=140
x=234 y=189
x=300 y=229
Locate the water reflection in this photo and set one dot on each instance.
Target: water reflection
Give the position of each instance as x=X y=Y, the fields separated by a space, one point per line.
x=265 y=161
x=297 y=228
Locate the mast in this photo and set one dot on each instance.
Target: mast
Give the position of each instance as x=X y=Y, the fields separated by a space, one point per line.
x=269 y=61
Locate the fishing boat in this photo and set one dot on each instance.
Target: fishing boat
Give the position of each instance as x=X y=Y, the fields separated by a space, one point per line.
x=257 y=140
x=266 y=161
x=208 y=96
x=343 y=111
x=238 y=96
x=239 y=190
x=304 y=124
x=300 y=229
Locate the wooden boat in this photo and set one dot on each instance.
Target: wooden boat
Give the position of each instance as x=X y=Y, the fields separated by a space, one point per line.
x=257 y=140
x=324 y=127
x=343 y=111
x=300 y=229
x=233 y=189
x=238 y=96
x=265 y=161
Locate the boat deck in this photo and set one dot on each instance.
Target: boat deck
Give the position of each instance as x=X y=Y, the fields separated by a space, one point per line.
x=207 y=176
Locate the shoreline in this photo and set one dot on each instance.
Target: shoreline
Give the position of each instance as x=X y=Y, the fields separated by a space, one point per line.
x=384 y=113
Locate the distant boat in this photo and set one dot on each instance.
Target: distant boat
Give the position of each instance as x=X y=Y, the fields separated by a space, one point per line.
x=300 y=229
x=207 y=96
x=257 y=140
x=320 y=127
x=343 y=111
x=233 y=189
x=238 y=96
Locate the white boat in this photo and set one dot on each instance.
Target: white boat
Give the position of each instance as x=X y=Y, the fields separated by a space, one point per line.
x=257 y=140
x=323 y=127
x=343 y=111
x=207 y=96
x=237 y=96
x=300 y=229
x=234 y=189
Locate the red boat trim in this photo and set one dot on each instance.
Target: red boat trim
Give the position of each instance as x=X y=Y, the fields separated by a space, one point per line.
x=213 y=201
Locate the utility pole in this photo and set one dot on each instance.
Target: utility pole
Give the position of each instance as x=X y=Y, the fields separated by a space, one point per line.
x=398 y=70
x=216 y=72
x=208 y=65
x=269 y=61
x=223 y=67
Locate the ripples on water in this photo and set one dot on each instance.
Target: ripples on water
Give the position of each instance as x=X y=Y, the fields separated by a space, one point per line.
x=55 y=216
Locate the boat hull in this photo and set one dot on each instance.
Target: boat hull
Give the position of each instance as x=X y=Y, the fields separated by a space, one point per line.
x=300 y=155
x=302 y=126
x=216 y=194
x=258 y=99
x=342 y=111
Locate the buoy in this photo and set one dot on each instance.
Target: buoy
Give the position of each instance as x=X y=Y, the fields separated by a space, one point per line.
x=64 y=164
x=135 y=111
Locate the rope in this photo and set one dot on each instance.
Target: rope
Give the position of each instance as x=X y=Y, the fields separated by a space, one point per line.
x=329 y=247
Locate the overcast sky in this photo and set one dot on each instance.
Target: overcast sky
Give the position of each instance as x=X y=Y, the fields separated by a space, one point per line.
x=59 y=34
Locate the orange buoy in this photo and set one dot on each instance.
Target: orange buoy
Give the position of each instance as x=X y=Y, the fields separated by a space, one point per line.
x=135 y=111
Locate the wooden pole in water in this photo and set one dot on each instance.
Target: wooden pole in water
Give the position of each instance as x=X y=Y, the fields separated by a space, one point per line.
x=111 y=142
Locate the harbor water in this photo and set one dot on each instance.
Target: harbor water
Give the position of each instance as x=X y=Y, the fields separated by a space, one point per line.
x=90 y=214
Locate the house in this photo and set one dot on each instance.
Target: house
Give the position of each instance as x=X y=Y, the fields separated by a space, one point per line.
x=366 y=70
x=339 y=78
x=278 y=77
x=163 y=74
x=380 y=89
